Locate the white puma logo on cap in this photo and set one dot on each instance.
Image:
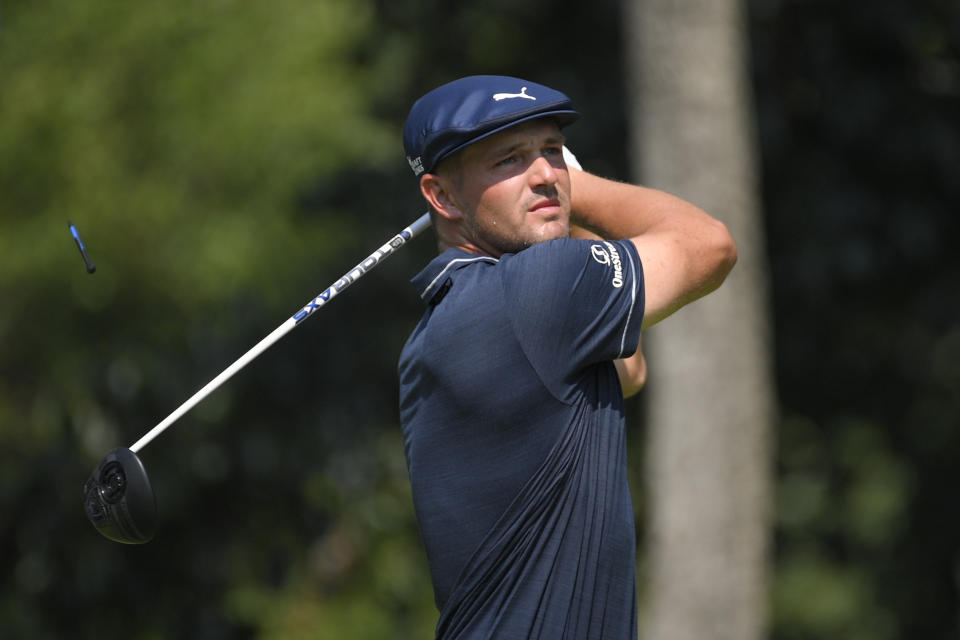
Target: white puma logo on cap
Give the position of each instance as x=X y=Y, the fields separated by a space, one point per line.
x=504 y=96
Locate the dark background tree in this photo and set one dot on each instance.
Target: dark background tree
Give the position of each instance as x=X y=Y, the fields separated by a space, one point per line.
x=225 y=162
x=710 y=392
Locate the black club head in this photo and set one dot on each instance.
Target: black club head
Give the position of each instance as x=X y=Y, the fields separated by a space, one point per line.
x=119 y=500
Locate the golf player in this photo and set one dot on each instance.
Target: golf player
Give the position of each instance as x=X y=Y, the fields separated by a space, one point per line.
x=512 y=384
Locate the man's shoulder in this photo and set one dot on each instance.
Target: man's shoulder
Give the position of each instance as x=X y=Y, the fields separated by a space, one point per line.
x=549 y=250
x=552 y=255
x=592 y=268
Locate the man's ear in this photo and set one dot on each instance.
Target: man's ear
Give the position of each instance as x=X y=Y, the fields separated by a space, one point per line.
x=437 y=191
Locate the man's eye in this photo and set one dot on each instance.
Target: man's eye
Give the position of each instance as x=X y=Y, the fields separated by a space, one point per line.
x=505 y=161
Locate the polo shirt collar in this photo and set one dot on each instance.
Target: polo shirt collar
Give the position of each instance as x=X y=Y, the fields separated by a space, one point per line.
x=429 y=281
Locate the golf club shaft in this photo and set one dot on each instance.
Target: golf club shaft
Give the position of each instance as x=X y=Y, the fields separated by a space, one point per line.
x=345 y=281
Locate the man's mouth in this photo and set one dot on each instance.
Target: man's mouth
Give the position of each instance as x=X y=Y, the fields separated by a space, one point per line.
x=544 y=206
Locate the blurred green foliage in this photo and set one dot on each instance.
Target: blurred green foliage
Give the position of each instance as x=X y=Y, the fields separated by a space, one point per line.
x=226 y=161
x=183 y=140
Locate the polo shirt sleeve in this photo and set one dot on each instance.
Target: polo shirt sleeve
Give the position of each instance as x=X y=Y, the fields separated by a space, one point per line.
x=574 y=303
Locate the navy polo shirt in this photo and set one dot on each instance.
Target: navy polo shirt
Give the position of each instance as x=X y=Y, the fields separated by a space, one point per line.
x=513 y=429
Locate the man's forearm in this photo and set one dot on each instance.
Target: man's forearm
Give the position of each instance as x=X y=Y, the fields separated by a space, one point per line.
x=616 y=210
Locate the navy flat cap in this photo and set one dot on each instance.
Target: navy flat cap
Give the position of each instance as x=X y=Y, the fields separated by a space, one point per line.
x=464 y=111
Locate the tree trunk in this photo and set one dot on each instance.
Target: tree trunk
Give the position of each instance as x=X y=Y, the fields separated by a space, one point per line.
x=710 y=392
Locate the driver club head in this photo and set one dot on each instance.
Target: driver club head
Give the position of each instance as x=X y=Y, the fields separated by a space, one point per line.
x=119 y=500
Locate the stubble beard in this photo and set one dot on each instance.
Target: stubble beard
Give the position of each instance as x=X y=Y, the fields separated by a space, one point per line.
x=497 y=240
x=493 y=238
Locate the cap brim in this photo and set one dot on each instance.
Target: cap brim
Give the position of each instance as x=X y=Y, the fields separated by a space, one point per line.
x=563 y=117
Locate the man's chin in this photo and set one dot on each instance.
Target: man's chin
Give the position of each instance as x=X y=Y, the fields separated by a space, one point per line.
x=554 y=230
x=544 y=232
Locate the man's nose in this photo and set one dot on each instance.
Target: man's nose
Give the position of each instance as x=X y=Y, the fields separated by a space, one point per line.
x=543 y=172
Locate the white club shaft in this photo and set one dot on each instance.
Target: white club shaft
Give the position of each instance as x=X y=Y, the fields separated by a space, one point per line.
x=345 y=281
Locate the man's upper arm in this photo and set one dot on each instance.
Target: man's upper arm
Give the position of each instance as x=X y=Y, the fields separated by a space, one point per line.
x=672 y=278
x=685 y=252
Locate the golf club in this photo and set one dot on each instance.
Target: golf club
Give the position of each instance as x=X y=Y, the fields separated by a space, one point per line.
x=118 y=498
x=91 y=268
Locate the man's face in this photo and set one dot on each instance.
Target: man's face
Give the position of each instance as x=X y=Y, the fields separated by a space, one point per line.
x=513 y=188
